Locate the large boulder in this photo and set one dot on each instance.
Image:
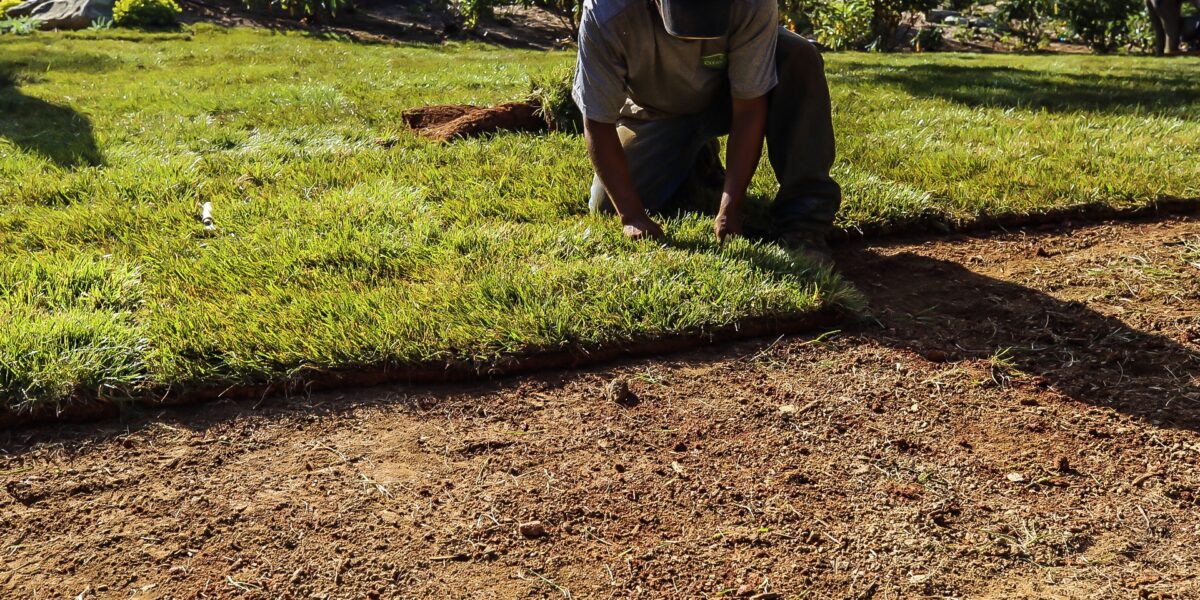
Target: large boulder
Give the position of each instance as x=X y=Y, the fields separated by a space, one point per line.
x=64 y=14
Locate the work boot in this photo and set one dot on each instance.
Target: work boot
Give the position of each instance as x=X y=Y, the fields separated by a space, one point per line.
x=809 y=244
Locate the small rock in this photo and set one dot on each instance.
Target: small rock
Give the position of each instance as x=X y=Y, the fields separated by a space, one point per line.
x=935 y=355
x=1016 y=477
x=618 y=391
x=532 y=530
x=745 y=591
x=788 y=410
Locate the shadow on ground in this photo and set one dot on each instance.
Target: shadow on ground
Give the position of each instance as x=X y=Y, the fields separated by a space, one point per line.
x=1154 y=92
x=939 y=308
x=56 y=132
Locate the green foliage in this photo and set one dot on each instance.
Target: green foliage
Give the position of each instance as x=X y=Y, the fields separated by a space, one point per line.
x=553 y=95
x=316 y=9
x=852 y=24
x=146 y=14
x=7 y=4
x=887 y=16
x=1029 y=20
x=471 y=11
x=1101 y=24
x=930 y=39
x=101 y=24
x=19 y=26
x=1140 y=39
x=841 y=24
x=797 y=14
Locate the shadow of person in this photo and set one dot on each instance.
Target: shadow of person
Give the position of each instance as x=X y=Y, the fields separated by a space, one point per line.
x=55 y=132
x=934 y=307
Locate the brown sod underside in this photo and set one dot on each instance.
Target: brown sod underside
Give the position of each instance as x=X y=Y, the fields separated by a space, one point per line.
x=446 y=122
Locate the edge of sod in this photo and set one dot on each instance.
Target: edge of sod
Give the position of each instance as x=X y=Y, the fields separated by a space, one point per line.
x=1091 y=212
x=428 y=373
x=431 y=373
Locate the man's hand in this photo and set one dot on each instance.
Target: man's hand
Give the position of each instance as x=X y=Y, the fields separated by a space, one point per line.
x=741 y=159
x=728 y=223
x=641 y=227
x=604 y=147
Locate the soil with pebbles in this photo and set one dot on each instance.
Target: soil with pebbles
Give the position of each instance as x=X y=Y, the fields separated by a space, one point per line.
x=1017 y=416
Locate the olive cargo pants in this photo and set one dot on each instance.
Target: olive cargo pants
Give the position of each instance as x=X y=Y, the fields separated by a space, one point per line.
x=662 y=154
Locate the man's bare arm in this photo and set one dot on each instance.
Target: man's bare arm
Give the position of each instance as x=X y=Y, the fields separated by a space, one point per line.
x=604 y=147
x=741 y=160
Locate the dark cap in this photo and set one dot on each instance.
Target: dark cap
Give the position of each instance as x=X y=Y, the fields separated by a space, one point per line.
x=696 y=19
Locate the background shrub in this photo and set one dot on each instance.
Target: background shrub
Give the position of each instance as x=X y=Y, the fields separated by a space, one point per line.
x=7 y=4
x=146 y=13
x=1029 y=20
x=302 y=9
x=930 y=39
x=855 y=24
x=841 y=24
x=19 y=26
x=1101 y=24
x=887 y=15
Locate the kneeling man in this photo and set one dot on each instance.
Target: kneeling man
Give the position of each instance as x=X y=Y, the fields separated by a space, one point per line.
x=659 y=80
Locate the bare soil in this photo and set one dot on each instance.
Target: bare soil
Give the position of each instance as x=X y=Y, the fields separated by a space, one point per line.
x=445 y=122
x=1017 y=417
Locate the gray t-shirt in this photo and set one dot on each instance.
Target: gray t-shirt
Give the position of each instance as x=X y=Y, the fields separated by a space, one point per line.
x=629 y=66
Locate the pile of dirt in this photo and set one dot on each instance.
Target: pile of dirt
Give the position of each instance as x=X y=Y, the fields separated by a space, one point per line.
x=446 y=122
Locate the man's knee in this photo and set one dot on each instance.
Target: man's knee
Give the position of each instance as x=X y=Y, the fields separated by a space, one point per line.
x=796 y=55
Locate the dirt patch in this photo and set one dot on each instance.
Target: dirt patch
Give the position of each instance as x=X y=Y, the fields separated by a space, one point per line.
x=1018 y=418
x=447 y=122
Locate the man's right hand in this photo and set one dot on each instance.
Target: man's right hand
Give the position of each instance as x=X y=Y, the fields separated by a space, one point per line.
x=604 y=147
x=641 y=227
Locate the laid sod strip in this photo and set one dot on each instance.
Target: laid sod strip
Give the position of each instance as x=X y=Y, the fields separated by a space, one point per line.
x=341 y=242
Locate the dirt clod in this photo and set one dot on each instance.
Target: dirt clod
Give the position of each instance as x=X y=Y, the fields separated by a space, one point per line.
x=532 y=530
x=618 y=391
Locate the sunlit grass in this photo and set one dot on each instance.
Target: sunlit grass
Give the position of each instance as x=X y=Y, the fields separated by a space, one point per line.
x=343 y=240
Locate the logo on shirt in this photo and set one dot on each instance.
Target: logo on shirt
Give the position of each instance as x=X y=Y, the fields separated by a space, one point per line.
x=715 y=61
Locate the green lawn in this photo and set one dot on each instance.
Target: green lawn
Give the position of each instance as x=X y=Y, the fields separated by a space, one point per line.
x=344 y=241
